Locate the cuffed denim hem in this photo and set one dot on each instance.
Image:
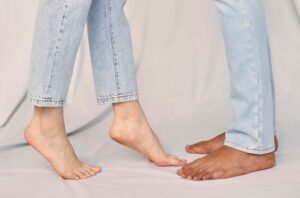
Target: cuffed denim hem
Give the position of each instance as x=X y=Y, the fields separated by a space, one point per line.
x=45 y=102
x=260 y=151
x=117 y=99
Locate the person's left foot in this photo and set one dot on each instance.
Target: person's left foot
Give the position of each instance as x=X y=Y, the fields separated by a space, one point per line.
x=226 y=162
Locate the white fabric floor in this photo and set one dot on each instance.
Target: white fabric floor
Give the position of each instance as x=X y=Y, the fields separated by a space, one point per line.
x=184 y=89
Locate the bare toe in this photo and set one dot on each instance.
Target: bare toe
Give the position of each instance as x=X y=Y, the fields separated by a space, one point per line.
x=88 y=169
x=206 y=176
x=88 y=173
x=197 y=178
x=95 y=169
x=74 y=177
x=175 y=161
x=180 y=172
x=92 y=169
x=191 y=174
x=200 y=148
x=218 y=174
x=69 y=175
x=205 y=147
x=186 y=172
x=81 y=174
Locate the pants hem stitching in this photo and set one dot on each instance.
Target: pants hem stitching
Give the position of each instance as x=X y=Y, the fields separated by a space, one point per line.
x=257 y=151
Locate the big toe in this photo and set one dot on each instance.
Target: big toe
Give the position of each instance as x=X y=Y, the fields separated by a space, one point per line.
x=92 y=170
x=86 y=171
x=175 y=161
x=70 y=176
x=199 y=148
x=171 y=160
x=96 y=169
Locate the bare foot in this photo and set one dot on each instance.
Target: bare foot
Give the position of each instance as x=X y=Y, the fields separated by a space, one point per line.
x=131 y=129
x=208 y=146
x=226 y=162
x=46 y=133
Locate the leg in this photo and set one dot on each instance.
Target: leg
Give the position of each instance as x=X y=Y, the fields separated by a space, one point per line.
x=115 y=79
x=58 y=32
x=208 y=146
x=205 y=147
x=249 y=141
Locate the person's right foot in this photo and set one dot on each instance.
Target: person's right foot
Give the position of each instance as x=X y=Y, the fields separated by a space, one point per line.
x=226 y=162
x=51 y=141
x=131 y=129
x=208 y=146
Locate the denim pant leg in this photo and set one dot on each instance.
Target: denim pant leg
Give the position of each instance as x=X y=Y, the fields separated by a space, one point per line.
x=252 y=92
x=58 y=32
x=111 y=52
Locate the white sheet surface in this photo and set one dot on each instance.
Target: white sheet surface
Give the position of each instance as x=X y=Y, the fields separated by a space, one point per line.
x=184 y=89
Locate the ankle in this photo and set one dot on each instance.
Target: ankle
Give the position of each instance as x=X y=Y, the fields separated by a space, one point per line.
x=44 y=125
x=127 y=109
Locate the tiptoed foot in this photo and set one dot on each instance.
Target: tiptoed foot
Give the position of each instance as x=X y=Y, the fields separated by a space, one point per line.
x=131 y=129
x=46 y=134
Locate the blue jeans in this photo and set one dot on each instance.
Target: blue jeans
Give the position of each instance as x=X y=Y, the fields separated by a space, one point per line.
x=252 y=89
x=59 y=28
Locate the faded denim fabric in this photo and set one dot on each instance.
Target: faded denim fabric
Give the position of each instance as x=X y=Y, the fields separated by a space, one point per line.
x=252 y=92
x=59 y=28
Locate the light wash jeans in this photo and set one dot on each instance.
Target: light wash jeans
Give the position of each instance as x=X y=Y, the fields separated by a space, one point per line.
x=58 y=32
x=252 y=92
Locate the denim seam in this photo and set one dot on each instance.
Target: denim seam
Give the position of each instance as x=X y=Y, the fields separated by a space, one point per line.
x=238 y=146
x=253 y=63
x=273 y=86
x=113 y=44
x=58 y=42
x=46 y=101
x=45 y=98
x=118 y=98
x=120 y=95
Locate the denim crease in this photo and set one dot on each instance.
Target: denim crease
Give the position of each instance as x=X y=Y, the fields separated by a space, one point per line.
x=58 y=32
x=252 y=129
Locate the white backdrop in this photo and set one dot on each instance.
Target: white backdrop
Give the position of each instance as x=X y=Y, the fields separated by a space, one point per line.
x=184 y=89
